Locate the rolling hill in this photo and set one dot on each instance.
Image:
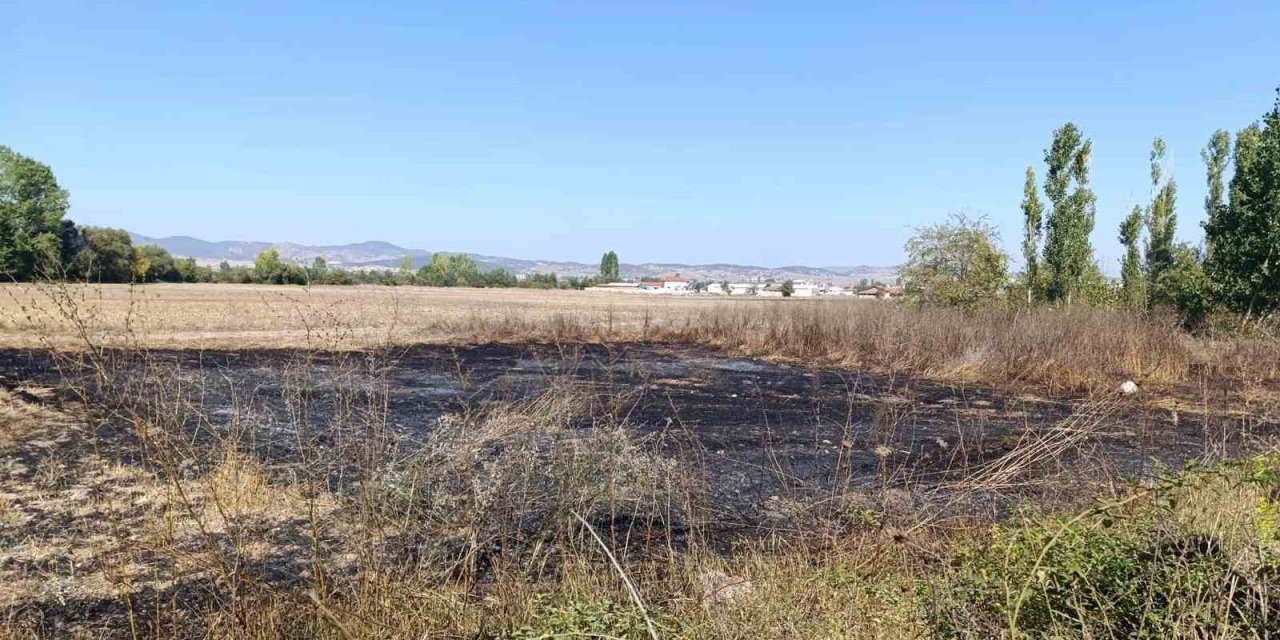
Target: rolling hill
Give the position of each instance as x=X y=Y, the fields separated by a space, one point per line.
x=377 y=254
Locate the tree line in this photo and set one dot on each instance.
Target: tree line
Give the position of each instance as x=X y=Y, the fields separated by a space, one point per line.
x=1235 y=270
x=38 y=241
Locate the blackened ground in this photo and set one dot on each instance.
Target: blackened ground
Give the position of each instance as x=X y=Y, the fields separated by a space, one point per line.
x=765 y=438
x=758 y=433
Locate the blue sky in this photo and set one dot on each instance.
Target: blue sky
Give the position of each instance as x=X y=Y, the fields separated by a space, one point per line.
x=769 y=133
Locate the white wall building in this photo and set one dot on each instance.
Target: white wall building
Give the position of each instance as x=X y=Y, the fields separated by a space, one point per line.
x=804 y=289
x=675 y=283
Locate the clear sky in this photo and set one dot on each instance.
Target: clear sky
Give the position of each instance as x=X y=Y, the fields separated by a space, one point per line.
x=769 y=133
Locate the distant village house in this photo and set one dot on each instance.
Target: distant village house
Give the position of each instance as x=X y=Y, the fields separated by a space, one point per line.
x=674 y=283
x=880 y=293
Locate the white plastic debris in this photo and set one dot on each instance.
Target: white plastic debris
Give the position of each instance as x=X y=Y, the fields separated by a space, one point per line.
x=1128 y=387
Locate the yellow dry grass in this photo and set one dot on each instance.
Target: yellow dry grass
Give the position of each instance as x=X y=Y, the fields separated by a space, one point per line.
x=259 y=316
x=1060 y=349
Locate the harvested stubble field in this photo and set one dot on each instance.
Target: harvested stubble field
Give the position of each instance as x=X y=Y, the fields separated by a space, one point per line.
x=259 y=316
x=261 y=462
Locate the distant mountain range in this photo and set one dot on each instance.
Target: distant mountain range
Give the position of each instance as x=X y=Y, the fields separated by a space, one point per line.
x=375 y=254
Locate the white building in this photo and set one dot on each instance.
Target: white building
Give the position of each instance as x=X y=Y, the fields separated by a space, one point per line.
x=804 y=289
x=674 y=283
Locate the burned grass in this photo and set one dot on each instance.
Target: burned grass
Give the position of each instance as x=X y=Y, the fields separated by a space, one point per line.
x=764 y=469
x=758 y=428
x=187 y=493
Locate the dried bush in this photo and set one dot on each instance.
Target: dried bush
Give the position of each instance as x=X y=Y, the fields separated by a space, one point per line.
x=504 y=481
x=1061 y=349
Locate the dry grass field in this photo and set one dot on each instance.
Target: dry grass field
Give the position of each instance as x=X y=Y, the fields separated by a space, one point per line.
x=212 y=461
x=1054 y=349
x=258 y=316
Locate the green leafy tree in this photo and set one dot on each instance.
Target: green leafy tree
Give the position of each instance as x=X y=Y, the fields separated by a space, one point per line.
x=1184 y=285
x=152 y=263
x=540 y=281
x=499 y=278
x=31 y=209
x=70 y=243
x=609 y=267
x=1162 y=220
x=106 y=256
x=957 y=263
x=268 y=268
x=404 y=271
x=1068 y=254
x=189 y=271
x=1132 y=277
x=318 y=271
x=445 y=270
x=1095 y=289
x=1216 y=156
x=788 y=288
x=293 y=274
x=1244 y=236
x=1032 y=214
x=234 y=275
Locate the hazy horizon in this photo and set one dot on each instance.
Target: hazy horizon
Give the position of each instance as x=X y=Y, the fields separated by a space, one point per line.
x=624 y=260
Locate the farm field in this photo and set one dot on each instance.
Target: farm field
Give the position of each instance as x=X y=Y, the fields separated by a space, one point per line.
x=239 y=316
x=253 y=461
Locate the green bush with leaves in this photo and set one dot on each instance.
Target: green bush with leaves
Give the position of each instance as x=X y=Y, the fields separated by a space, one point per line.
x=447 y=270
x=107 y=256
x=1183 y=285
x=957 y=263
x=151 y=263
x=1167 y=561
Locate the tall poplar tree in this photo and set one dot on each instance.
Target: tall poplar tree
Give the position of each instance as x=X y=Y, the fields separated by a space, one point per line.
x=1162 y=220
x=1216 y=155
x=1244 y=236
x=1133 y=280
x=609 y=267
x=1033 y=214
x=1068 y=255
